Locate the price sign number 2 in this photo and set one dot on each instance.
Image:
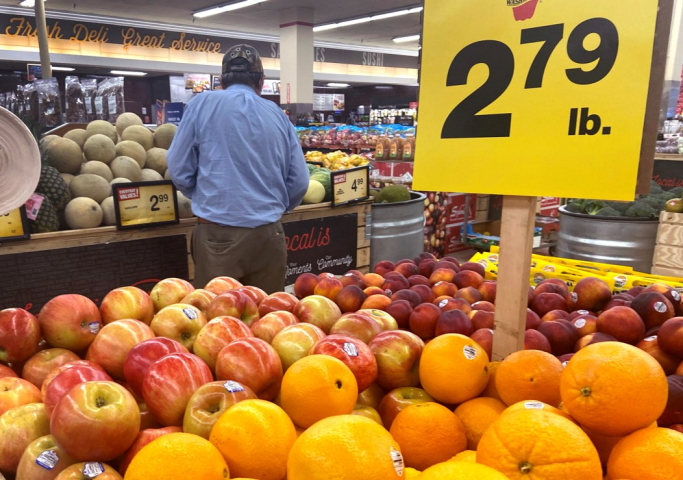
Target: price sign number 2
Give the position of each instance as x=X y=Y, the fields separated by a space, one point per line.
x=156 y=200
x=465 y=120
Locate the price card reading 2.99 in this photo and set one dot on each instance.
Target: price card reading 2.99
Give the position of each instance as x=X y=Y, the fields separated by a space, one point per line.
x=350 y=185
x=145 y=204
x=537 y=98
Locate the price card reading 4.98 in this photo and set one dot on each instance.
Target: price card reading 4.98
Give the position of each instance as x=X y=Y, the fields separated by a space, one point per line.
x=534 y=97
x=14 y=226
x=145 y=204
x=350 y=185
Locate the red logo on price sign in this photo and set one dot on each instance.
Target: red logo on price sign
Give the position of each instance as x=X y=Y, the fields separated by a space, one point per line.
x=523 y=9
x=340 y=178
x=129 y=194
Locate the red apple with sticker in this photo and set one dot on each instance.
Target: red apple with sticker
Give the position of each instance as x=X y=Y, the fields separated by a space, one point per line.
x=59 y=382
x=70 y=322
x=144 y=355
x=43 y=459
x=354 y=353
x=38 y=367
x=199 y=298
x=233 y=304
x=179 y=322
x=272 y=323
x=19 y=335
x=170 y=383
x=127 y=303
x=111 y=347
x=398 y=359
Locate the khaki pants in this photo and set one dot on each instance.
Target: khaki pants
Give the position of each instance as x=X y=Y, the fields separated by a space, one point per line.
x=254 y=256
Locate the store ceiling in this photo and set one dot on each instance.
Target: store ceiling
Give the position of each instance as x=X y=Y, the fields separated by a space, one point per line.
x=263 y=18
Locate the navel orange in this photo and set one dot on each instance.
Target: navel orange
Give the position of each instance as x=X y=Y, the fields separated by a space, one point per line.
x=466 y=456
x=428 y=433
x=604 y=444
x=613 y=388
x=317 y=387
x=648 y=454
x=477 y=415
x=464 y=470
x=529 y=375
x=491 y=390
x=453 y=368
x=248 y=430
x=536 y=405
x=345 y=447
x=540 y=445
x=412 y=473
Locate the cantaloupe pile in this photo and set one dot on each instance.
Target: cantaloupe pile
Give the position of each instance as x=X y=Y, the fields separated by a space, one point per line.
x=91 y=160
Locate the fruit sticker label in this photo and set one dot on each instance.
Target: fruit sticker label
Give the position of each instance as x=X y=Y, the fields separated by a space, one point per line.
x=189 y=313
x=233 y=387
x=397 y=459
x=47 y=459
x=145 y=204
x=580 y=323
x=533 y=405
x=499 y=90
x=93 y=469
x=660 y=307
x=14 y=225
x=350 y=349
x=94 y=327
x=470 y=352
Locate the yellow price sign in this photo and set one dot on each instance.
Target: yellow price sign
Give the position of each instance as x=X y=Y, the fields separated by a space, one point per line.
x=14 y=226
x=521 y=97
x=350 y=185
x=145 y=204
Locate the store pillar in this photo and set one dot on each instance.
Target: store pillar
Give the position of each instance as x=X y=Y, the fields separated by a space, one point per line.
x=296 y=60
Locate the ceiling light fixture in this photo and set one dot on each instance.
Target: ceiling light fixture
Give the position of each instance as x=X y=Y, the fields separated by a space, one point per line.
x=370 y=18
x=129 y=73
x=225 y=8
x=63 y=69
x=338 y=85
x=28 y=3
x=407 y=38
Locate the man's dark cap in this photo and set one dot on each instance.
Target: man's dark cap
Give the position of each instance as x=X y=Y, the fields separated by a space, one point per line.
x=242 y=58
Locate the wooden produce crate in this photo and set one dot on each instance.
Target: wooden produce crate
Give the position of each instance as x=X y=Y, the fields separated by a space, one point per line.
x=668 y=257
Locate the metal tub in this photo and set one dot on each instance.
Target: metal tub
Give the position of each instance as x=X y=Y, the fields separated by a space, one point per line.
x=397 y=230
x=619 y=241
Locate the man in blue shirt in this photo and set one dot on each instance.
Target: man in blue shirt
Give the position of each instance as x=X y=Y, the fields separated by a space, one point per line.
x=238 y=157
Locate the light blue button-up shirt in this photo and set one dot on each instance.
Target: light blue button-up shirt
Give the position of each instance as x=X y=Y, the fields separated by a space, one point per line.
x=238 y=157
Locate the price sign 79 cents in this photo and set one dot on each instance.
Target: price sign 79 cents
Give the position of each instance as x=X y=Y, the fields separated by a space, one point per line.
x=536 y=98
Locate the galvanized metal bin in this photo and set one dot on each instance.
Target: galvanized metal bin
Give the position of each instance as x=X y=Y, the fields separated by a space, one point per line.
x=616 y=240
x=397 y=230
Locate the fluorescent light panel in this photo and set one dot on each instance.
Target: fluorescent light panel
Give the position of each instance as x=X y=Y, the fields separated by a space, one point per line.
x=226 y=8
x=407 y=38
x=338 y=85
x=129 y=73
x=370 y=18
x=28 y=3
x=63 y=69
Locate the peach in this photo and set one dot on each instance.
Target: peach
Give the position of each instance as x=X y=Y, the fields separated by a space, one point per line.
x=671 y=337
x=370 y=291
x=441 y=275
x=384 y=267
x=554 y=315
x=586 y=324
x=357 y=325
x=412 y=297
x=455 y=304
x=447 y=289
x=535 y=340
x=418 y=280
x=564 y=359
x=394 y=284
x=481 y=319
x=532 y=319
x=617 y=302
x=305 y=284
x=484 y=338
x=350 y=298
x=653 y=307
x=454 y=321
x=624 y=296
x=591 y=294
x=356 y=273
x=551 y=287
x=379 y=302
x=488 y=291
x=475 y=267
x=426 y=294
x=592 y=338
x=635 y=291
x=443 y=263
x=470 y=294
x=561 y=334
x=200 y=298
x=271 y=324
x=546 y=302
x=326 y=275
x=668 y=362
x=424 y=256
x=401 y=311
x=328 y=287
x=468 y=278
x=623 y=324
x=484 y=305
x=220 y=285
x=580 y=313
x=452 y=260
x=278 y=302
x=405 y=260
x=426 y=267
x=530 y=296
x=407 y=269
x=423 y=320
x=670 y=293
x=350 y=279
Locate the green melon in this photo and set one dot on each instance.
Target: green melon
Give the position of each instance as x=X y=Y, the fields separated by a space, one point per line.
x=163 y=136
x=324 y=178
x=78 y=135
x=126 y=120
x=129 y=148
x=126 y=167
x=101 y=148
x=90 y=186
x=100 y=127
x=83 y=213
x=97 y=168
x=140 y=134
x=65 y=155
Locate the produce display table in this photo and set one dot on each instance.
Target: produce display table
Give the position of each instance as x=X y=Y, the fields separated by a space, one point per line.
x=94 y=261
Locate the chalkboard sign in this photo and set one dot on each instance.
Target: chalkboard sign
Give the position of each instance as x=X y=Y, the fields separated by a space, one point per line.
x=668 y=173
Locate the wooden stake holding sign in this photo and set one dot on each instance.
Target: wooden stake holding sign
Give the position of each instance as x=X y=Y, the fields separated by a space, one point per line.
x=526 y=98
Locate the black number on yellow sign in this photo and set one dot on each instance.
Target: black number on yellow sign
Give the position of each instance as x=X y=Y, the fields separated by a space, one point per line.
x=356 y=183
x=156 y=200
x=466 y=122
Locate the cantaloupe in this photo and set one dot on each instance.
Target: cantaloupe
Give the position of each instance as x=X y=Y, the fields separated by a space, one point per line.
x=101 y=148
x=149 y=175
x=78 y=135
x=140 y=134
x=126 y=120
x=129 y=148
x=315 y=193
x=119 y=180
x=184 y=206
x=126 y=167
x=100 y=127
x=108 y=211
x=167 y=175
x=65 y=155
x=67 y=178
x=83 y=212
x=46 y=141
x=97 y=168
x=90 y=186
x=156 y=160
x=163 y=136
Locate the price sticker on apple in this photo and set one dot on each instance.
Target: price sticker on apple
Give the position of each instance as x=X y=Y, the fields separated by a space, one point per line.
x=145 y=204
x=534 y=98
x=349 y=186
x=14 y=226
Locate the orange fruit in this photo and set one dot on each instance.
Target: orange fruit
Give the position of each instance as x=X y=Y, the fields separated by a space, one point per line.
x=455 y=470
x=428 y=433
x=491 y=390
x=412 y=473
x=536 y=444
x=466 y=456
x=477 y=415
x=648 y=454
x=536 y=405
x=249 y=429
x=345 y=447
x=613 y=388
x=175 y=457
x=529 y=375
x=317 y=387
x=605 y=444
x=453 y=368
